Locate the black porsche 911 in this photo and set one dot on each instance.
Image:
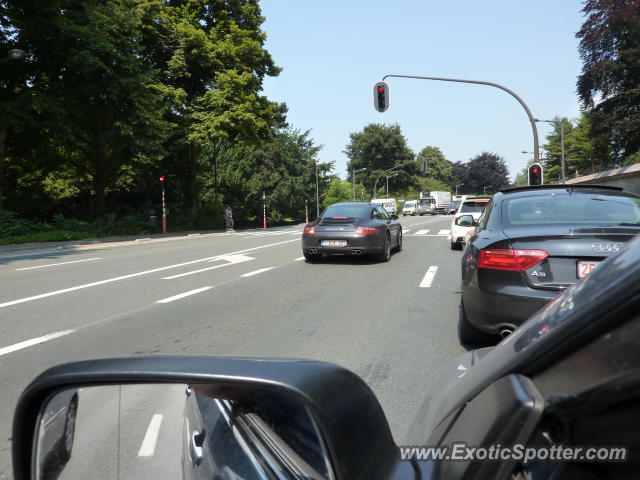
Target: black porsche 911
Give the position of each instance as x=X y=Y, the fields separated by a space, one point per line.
x=530 y=244
x=353 y=228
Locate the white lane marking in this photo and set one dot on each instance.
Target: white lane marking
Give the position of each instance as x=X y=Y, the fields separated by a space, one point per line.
x=444 y=232
x=56 y=264
x=298 y=259
x=148 y=447
x=33 y=341
x=256 y=272
x=132 y=275
x=428 y=277
x=432 y=235
x=405 y=230
x=232 y=260
x=185 y=294
x=422 y=232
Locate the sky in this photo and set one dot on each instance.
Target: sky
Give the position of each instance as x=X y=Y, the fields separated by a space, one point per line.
x=333 y=51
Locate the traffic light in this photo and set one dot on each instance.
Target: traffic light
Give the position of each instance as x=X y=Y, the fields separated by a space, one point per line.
x=381 y=96
x=162 y=179
x=535 y=174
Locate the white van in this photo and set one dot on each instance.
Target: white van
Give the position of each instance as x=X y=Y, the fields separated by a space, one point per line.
x=410 y=207
x=389 y=204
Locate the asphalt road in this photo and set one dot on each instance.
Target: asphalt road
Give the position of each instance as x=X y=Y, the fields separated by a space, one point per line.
x=245 y=293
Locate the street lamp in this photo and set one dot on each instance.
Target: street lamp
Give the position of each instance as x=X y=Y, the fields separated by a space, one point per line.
x=14 y=54
x=561 y=122
x=375 y=185
x=353 y=180
x=459 y=185
x=388 y=177
x=485 y=189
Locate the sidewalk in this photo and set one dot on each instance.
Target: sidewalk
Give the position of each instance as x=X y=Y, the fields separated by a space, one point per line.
x=25 y=249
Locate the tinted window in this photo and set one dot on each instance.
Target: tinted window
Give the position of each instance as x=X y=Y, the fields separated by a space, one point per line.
x=482 y=222
x=348 y=211
x=576 y=207
x=473 y=207
x=382 y=214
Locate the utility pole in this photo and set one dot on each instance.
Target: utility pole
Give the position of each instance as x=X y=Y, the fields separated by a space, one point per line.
x=317 y=193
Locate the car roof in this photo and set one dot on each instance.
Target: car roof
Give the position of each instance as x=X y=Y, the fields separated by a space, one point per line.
x=353 y=204
x=476 y=199
x=530 y=188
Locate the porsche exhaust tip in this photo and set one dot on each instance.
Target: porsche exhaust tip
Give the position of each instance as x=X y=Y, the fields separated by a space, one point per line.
x=356 y=251
x=313 y=250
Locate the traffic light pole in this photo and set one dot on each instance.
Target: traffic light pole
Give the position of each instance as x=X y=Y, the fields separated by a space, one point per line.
x=375 y=185
x=532 y=120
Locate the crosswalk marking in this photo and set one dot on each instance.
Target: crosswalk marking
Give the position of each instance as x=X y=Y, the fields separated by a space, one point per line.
x=422 y=232
x=444 y=232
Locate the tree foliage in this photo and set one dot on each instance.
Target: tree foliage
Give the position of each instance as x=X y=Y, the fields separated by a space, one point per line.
x=438 y=167
x=378 y=148
x=485 y=170
x=609 y=85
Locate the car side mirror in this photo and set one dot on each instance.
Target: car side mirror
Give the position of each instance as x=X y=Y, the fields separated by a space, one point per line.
x=465 y=221
x=202 y=417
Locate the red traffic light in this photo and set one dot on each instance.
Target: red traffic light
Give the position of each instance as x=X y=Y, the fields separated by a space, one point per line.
x=380 y=89
x=534 y=170
x=161 y=179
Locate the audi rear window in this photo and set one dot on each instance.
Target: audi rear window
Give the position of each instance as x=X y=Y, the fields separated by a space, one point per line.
x=347 y=211
x=585 y=208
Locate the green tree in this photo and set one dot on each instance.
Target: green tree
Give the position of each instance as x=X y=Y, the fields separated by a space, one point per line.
x=99 y=108
x=377 y=148
x=485 y=170
x=609 y=85
x=438 y=167
x=341 y=191
x=212 y=62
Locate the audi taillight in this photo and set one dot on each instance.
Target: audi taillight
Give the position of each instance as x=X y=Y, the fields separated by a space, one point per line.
x=366 y=230
x=310 y=230
x=510 y=259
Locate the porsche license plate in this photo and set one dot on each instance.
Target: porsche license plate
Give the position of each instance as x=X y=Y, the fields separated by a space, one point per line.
x=586 y=267
x=333 y=243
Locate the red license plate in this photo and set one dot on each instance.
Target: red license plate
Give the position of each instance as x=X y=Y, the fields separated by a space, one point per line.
x=586 y=267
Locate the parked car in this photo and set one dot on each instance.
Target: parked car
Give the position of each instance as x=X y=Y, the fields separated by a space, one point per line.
x=472 y=206
x=532 y=243
x=353 y=228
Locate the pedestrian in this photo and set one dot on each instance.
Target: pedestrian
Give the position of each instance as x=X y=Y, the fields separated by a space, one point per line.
x=228 y=219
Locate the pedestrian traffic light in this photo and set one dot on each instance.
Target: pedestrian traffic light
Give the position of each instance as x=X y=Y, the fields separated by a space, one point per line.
x=161 y=179
x=535 y=174
x=381 y=96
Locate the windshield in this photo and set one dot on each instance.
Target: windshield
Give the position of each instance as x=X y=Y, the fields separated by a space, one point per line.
x=581 y=208
x=473 y=207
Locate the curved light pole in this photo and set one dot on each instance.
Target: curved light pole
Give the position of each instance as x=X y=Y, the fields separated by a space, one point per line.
x=375 y=185
x=485 y=189
x=388 y=177
x=458 y=185
x=532 y=120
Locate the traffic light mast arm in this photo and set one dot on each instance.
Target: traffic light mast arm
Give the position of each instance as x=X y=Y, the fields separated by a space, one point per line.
x=532 y=120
